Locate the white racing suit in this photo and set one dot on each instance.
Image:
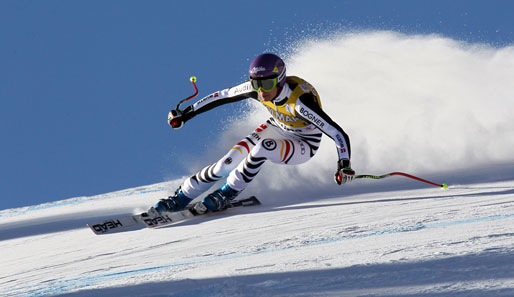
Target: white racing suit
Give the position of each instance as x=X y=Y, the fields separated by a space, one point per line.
x=291 y=136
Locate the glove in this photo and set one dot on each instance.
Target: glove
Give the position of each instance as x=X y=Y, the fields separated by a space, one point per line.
x=175 y=119
x=344 y=172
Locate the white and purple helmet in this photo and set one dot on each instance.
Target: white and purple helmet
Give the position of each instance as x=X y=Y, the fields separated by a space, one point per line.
x=268 y=66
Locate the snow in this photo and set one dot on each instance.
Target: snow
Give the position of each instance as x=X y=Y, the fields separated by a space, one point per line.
x=391 y=237
x=421 y=241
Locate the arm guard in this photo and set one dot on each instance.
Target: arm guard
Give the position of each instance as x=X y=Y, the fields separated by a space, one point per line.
x=312 y=112
x=234 y=94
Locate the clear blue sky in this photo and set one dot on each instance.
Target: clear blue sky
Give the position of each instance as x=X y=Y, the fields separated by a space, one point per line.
x=85 y=86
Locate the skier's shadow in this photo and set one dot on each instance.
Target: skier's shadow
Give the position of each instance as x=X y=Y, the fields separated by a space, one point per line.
x=507 y=191
x=217 y=215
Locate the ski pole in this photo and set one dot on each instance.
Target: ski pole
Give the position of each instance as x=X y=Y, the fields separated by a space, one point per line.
x=444 y=186
x=192 y=79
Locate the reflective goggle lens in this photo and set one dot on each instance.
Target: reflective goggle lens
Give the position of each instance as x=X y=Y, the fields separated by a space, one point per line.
x=267 y=84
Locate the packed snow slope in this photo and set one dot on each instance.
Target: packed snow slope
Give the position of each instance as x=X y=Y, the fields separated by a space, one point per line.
x=422 y=242
x=425 y=105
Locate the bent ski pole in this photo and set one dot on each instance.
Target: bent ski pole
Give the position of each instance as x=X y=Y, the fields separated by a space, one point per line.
x=192 y=79
x=444 y=186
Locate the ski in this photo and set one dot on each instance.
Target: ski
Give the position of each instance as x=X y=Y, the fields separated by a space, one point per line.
x=155 y=219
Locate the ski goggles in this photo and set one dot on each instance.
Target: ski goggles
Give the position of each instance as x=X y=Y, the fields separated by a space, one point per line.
x=265 y=84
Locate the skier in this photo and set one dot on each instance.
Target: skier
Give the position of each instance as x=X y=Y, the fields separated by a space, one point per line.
x=291 y=136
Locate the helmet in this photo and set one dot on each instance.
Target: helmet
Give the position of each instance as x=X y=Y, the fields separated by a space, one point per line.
x=268 y=66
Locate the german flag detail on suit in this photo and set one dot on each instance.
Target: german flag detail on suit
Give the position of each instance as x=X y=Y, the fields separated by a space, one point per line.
x=241 y=144
x=287 y=150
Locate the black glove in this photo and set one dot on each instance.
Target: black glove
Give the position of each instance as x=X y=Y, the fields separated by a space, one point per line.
x=344 y=172
x=175 y=119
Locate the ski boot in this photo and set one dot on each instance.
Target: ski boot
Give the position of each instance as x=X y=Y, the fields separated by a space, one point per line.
x=176 y=202
x=219 y=199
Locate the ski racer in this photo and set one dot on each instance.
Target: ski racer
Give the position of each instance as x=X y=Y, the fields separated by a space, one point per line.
x=291 y=136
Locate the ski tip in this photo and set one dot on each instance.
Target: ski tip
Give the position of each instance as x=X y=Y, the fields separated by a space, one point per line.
x=444 y=186
x=253 y=199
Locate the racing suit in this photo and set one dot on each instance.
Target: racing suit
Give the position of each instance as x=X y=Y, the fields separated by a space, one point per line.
x=291 y=136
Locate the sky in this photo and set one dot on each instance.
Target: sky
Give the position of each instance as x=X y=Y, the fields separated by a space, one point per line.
x=85 y=87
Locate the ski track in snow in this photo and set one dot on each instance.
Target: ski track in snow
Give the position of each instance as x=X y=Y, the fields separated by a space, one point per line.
x=412 y=242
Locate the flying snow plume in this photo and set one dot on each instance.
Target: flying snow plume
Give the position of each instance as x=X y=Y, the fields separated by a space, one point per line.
x=414 y=103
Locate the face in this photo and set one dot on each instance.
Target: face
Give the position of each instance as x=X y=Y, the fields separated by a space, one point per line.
x=268 y=96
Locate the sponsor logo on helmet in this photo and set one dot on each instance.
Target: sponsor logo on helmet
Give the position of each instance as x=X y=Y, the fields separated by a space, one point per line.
x=256 y=70
x=282 y=75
